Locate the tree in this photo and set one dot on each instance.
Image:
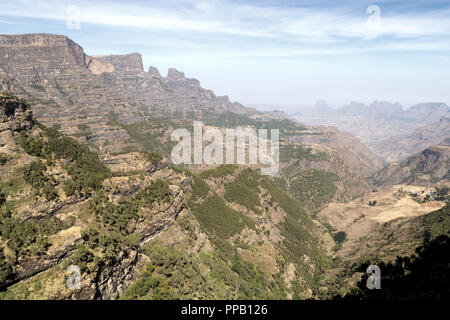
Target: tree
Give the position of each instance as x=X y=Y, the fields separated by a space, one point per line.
x=340 y=236
x=5 y=268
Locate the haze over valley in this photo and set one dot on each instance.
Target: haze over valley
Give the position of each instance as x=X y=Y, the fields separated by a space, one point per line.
x=94 y=207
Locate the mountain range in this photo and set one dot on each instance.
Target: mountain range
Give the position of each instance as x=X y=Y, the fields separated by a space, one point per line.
x=87 y=185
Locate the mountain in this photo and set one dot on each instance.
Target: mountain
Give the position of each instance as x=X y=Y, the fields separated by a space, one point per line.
x=377 y=109
x=424 y=168
x=430 y=112
x=138 y=228
x=87 y=184
x=112 y=105
x=389 y=131
x=399 y=147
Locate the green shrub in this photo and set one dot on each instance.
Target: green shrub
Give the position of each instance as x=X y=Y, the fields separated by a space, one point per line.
x=3 y=158
x=219 y=172
x=217 y=218
x=27 y=237
x=340 y=237
x=2 y=197
x=158 y=190
x=85 y=168
x=82 y=127
x=153 y=157
x=244 y=190
x=5 y=268
x=313 y=188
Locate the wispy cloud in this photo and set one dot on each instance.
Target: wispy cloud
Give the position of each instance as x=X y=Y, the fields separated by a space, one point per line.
x=250 y=49
x=321 y=25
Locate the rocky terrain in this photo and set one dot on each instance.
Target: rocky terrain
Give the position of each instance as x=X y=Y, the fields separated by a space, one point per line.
x=112 y=105
x=86 y=182
x=389 y=131
x=139 y=228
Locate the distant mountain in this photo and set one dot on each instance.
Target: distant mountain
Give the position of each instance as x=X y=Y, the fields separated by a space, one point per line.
x=429 y=112
x=385 y=127
x=354 y=108
x=427 y=167
x=400 y=147
x=382 y=109
x=377 y=109
x=321 y=106
x=279 y=114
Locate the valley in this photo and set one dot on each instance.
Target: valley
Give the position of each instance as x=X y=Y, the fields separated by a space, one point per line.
x=87 y=180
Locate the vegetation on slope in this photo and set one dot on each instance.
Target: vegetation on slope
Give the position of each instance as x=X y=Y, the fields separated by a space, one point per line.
x=84 y=167
x=313 y=188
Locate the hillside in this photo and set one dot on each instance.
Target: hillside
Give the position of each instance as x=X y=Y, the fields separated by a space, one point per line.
x=86 y=181
x=400 y=147
x=138 y=228
x=112 y=105
x=379 y=227
x=427 y=167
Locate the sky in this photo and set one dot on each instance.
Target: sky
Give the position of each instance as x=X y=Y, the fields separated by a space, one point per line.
x=268 y=54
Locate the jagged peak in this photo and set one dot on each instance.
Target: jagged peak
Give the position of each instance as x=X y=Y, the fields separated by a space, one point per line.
x=154 y=72
x=173 y=73
x=124 y=62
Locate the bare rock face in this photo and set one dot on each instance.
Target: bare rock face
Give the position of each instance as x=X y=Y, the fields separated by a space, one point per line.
x=97 y=66
x=116 y=276
x=154 y=72
x=126 y=64
x=37 y=55
x=14 y=114
x=174 y=74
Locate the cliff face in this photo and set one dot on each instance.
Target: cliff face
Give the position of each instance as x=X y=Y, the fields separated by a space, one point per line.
x=52 y=70
x=30 y=56
x=126 y=64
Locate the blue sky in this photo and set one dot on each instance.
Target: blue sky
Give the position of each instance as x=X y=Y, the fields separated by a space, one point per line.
x=284 y=54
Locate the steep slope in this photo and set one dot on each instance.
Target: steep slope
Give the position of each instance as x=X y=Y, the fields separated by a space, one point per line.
x=380 y=227
x=427 y=167
x=137 y=228
x=112 y=105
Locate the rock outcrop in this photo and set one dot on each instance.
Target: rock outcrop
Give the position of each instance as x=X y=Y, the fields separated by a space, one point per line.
x=15 y=115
